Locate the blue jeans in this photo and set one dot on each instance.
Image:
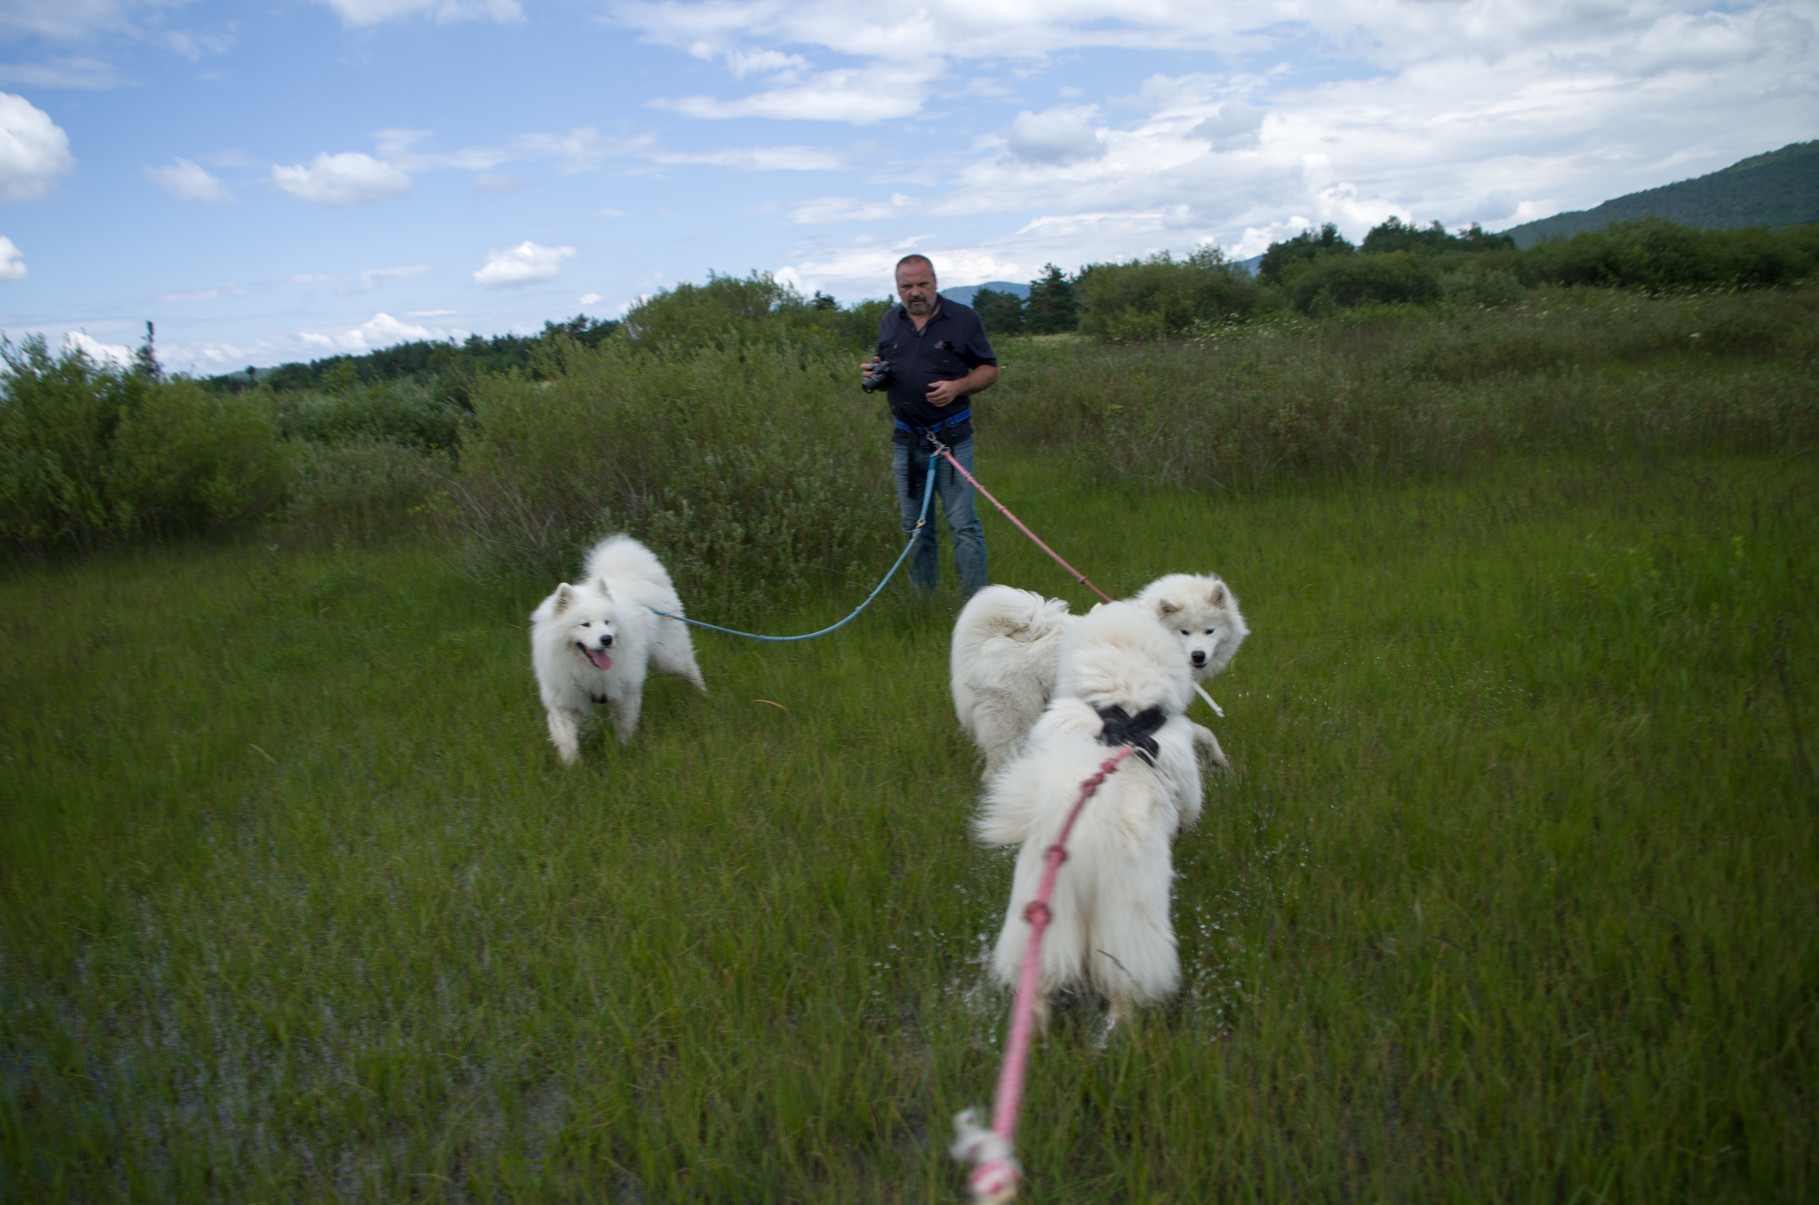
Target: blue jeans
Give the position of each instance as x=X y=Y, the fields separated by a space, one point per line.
x=909 y=466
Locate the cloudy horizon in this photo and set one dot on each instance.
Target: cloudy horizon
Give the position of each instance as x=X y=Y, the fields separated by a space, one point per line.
x=322 y=176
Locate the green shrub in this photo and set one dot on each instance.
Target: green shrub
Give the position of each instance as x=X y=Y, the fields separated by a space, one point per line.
x=1336 y=282
x=752 y=470
x=90 y=453
x=1659 y=255
x=1160 y=297
x=729 y=311
x=401 y=412
x=1479 y=286
x=359 y=488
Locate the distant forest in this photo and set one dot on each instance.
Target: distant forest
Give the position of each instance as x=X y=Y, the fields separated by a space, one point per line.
x=1316 y=273
x=419 y=360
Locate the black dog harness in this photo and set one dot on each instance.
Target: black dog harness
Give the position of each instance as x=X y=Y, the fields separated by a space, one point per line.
x=1123 y=728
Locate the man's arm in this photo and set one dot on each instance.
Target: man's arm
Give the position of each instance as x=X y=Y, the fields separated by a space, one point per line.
x=943 y=393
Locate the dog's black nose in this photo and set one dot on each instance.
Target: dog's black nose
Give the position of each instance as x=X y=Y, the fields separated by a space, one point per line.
x=606 y=641
x=1199 y=657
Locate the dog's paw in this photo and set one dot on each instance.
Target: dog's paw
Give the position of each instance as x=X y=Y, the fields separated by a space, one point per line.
x=1207 y=743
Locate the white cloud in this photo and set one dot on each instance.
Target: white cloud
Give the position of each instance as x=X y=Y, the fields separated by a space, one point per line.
x=1058 y=137
x=188 y=182
x=12 y=260
x=34 y=150
x=114 y=354
x=590 y=299
x=363 y=281
x=757 y=159
x=856 y=95
x=829 y=210
x=381 y=330
x=213 y=294
x=581 y=149
x=1236 y=125
x=524 y=264
x=350 y=178
x=67 y=71
x=69 y=20
x=371 y=12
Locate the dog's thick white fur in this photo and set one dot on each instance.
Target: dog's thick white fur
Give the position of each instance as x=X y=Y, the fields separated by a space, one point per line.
x=597 y=641
x=1110 y=933
x=1006 y=641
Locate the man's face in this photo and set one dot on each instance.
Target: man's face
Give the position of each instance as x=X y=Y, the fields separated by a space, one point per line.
x=916 y=287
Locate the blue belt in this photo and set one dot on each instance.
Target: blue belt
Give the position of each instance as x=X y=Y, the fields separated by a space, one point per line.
x=944 y=424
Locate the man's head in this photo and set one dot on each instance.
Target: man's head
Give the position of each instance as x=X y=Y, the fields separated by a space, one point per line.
x=916 y=284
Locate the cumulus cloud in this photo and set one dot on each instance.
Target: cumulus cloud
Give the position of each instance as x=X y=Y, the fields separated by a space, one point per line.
x=381 y=330
x=115 y=354
x=524 y=264
x=350 y=178
x=1236 y=125
x=1057 y=137
x=12 y=260
x=372 y=12
x=188 y=182
x=34 y=150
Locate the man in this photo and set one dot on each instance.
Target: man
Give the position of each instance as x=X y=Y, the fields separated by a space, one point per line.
x=939 y=358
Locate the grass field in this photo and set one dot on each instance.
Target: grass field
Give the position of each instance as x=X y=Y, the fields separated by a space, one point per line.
x=1511 y=895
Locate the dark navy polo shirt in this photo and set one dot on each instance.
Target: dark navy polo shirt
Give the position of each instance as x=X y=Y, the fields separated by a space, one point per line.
x=950 y=344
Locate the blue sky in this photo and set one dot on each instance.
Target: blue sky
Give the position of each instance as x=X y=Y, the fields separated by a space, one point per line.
x=287 y=180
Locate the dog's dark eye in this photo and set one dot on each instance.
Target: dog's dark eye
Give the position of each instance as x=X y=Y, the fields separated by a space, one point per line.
x=1209 y=631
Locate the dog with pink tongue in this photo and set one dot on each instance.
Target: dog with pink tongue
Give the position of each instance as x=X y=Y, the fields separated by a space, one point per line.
x=596 y=642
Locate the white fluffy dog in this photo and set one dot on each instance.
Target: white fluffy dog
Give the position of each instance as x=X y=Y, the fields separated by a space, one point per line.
x=1006 y=642
x=1109 y=932
x=597 y=641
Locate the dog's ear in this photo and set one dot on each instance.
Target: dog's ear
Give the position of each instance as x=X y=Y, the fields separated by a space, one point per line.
x=606 y=591
x=565 y=597
x=1217 y=598
x=1165 y=608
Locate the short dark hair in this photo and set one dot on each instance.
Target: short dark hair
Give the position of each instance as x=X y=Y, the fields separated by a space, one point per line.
x=916 y=257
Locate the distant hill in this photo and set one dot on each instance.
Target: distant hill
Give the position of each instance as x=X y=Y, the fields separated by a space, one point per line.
x=1780 y=188
x=964 y=293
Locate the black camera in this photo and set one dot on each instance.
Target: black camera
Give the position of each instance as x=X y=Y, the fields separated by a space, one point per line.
x=877 y=376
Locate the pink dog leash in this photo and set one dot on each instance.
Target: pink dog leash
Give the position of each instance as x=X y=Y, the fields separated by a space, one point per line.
x=996 y=1171
x=1078 y=576
x=973 y=481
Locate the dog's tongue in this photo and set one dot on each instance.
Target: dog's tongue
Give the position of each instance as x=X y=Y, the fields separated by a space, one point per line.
x=599 y=658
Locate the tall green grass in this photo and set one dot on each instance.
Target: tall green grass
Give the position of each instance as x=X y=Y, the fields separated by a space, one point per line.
x=1510 y=895
x=1404 y=392
x=756 y=470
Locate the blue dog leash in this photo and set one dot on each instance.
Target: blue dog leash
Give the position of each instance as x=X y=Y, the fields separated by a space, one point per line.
x=928 y=492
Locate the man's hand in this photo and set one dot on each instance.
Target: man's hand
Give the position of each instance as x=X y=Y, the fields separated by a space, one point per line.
x=944 y=393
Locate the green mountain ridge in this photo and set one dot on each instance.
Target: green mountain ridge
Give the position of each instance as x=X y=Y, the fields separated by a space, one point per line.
x=1779 y=188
